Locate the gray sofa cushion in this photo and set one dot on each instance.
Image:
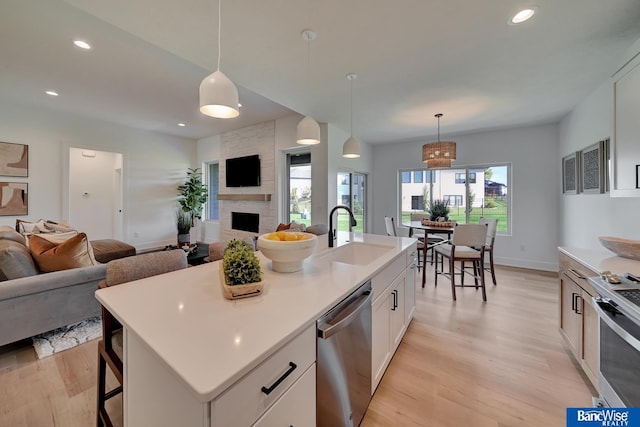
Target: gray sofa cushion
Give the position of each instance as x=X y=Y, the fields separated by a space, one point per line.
x=15 y=260
x=12 y=235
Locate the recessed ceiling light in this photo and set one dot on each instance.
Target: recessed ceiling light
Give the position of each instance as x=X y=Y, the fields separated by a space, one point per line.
x=52 y=93
x=181 y=125
x=523 y=15
x=82 y=44
x=239 y=105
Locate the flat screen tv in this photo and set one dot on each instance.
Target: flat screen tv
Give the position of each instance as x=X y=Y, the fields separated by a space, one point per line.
x=243 y=171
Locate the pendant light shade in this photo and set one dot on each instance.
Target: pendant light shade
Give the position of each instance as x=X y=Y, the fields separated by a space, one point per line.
x=308 y=131
x=308 y=128
x=439 y=155
x=351 y=147
x=218 y=94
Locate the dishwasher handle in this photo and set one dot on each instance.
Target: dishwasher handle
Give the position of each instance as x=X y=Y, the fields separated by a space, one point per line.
x=346 y=316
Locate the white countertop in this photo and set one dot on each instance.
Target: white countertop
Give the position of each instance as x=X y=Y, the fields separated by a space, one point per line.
x=602 y=260
x=209 y=341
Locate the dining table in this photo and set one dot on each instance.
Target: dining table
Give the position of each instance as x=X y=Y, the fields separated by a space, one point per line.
x=428 y=229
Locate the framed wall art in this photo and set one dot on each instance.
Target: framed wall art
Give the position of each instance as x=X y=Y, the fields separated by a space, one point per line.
x=14 y=159
x=570 y=174
x=592 y=177
x=14 y=198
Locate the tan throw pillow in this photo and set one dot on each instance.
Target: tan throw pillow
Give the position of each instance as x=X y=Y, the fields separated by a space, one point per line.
x=73 y=252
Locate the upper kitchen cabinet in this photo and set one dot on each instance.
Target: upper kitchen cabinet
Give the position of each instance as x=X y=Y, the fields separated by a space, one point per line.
x=625 y=147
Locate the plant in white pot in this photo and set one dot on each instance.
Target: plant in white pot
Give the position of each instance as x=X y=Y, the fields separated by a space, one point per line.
x=183 y=224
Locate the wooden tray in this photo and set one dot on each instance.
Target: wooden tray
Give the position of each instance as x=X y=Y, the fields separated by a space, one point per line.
x=239 y=291
x=444 y=224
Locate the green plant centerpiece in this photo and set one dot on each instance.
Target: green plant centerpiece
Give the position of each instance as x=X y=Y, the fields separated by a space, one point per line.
x=241 y=273
x=183 y=224
x=438 y=209
x=193 y=195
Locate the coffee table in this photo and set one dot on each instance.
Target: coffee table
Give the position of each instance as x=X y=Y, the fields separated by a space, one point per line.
x=198 y=256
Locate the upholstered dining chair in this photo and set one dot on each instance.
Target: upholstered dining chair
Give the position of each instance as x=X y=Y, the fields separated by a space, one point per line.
x=492 y=227
x=110 y=346
x=466 y=237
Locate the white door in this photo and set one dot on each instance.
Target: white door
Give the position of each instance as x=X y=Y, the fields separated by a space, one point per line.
x=95 y=193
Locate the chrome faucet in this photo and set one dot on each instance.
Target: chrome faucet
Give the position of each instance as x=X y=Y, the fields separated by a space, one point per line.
x=332 y=233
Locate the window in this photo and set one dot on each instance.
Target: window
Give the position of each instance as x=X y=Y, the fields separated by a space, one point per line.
x=214 y=186
x=406 y=177
x=299 y=187
x=417 y=203
x=472 y=192
x=453 y=200
x=417 y=176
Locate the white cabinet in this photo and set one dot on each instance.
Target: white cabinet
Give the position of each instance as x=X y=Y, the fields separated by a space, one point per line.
x=392 y=310
x=625 y=149
x=281 y=388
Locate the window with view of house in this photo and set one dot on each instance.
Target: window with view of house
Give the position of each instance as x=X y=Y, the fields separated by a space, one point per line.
x=213 y=211
x=472 y=192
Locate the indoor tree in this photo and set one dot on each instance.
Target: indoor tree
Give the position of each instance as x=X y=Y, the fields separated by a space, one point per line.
x=193 y=194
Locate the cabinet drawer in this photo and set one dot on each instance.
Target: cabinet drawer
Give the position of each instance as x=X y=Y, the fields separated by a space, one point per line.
x=244 y=402
x=577 y=272
x=297 y=407
x=382 y=280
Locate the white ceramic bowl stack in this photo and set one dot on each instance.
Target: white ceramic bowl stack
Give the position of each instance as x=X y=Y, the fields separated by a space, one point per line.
x=287 y=256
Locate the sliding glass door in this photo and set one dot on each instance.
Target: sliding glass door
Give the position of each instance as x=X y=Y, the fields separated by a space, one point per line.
x=352 y=192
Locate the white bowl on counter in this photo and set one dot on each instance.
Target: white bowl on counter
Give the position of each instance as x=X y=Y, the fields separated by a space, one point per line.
x=287 y=256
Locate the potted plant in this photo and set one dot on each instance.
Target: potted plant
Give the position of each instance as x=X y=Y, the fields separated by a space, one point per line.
x=193 y=195
x=240 y=270
x=438 y=209
x=183 y=224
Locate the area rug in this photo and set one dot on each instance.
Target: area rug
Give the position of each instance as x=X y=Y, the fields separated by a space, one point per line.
x=67 y=337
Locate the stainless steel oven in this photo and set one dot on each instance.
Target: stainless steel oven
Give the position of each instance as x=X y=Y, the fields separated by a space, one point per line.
x=619 y=377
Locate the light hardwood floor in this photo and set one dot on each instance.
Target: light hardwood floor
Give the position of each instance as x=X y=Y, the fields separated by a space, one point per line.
x=468 y=363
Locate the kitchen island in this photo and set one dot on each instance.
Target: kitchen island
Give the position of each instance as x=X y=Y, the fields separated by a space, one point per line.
x=193 y=358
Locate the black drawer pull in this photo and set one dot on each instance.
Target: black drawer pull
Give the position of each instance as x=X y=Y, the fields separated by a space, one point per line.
x=267 y=391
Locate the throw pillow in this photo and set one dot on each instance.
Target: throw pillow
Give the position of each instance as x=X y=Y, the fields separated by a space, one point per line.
x=15 y=260
x=73 y=252
x=28 y=227
x=282 y=227
x=12 y=234
x=296 y=226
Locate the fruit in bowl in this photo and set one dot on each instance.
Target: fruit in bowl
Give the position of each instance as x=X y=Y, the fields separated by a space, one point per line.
x=287 y=249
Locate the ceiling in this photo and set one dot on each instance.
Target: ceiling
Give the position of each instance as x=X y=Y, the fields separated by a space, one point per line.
x=414 y=58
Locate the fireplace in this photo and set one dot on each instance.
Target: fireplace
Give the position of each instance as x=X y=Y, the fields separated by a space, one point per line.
x=245 y=221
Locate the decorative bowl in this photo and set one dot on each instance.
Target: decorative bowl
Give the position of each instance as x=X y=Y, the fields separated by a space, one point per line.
x=622 y=247
x=289 y=251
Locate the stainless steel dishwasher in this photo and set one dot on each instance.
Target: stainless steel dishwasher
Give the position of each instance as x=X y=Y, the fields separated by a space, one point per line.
x=343 y=387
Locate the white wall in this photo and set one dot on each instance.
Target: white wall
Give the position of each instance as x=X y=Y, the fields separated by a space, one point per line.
x=584 y=217
x=533 y=154
x=154 y=165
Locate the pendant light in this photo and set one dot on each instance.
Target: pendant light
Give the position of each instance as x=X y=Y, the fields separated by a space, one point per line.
x=218 y=94
x=439 y=155
x=351 y=147
x=308 y=128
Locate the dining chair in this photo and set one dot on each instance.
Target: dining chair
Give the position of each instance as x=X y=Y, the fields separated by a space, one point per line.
x=466 y=237
x=392 y=230
x=492 y=227
x=110 y=347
